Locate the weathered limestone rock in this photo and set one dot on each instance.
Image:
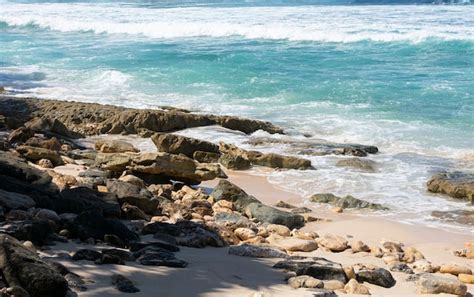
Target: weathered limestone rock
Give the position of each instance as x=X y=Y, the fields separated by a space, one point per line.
x=37 y=153
x=345 y=202
x=353 y=287
x=304 y=281
x=114 y=146
x=20 y=135
x=244 y=233
x=177 y=144
x=359 y=246
x=278 y=229
x=455 y=184
x=234 y=162
x=22 y=267
x=333 y=284
x=433 y=284
x=333 y=242
x=455 y=269
x=466 y=278
x=292 y=244
x=206 y=157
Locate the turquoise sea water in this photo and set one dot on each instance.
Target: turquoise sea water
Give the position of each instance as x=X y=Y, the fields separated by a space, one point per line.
x=399 y=77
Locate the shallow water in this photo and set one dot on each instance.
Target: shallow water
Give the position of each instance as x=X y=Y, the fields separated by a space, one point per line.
x=398 y=77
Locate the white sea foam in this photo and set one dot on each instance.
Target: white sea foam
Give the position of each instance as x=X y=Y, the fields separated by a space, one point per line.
x=307 y=23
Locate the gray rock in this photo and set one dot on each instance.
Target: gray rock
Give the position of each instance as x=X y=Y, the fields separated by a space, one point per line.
x=322 y=293
x=433 y=284
x=24 y=268
x=400 y=267
x=11 y=200
x=256 y=251
x=86 y=254
x=268 y=214
x=177 y=144
x=123 y=284
x=319 y=268
x=345 y=202
x=228 y=191
x=376 y=276
x=365 y=165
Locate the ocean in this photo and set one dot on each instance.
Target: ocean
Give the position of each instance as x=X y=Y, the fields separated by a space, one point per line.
x=400 y=77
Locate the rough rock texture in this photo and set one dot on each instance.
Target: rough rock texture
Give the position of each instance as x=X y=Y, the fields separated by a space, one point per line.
x=16 y=176
x=345 y=202
x=21 y=267
x=304 y=281
x=377 y=276
x=35 y=154
x=92 y=119
x=123 y=284
x=292 y=244
x=357 y=163
x=433 y=284
x=114 y=146
x=80 y=199
x=248 y=250
x=318 y=147
x=225 y=190
x=177 y=144
x=177 y=167
x=456 y=184
x=333 y=242
x=268 y=214
x=234 y=162
x=319 y=268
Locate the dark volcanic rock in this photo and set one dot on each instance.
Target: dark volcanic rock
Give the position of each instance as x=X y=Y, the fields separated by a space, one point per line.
x=345 y=202
x=177 y=144
x=21 y=267
x=80 y=199
x=319 y=268
x=455 y=184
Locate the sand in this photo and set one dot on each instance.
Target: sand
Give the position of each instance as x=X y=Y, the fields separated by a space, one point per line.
x=212 y=272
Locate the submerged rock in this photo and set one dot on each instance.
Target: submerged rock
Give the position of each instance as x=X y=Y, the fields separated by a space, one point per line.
x=461 y=216
x=345 y=202
x=365 y=165
x=456 y=184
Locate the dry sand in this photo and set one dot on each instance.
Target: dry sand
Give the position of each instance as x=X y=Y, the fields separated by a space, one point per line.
x=212 y=272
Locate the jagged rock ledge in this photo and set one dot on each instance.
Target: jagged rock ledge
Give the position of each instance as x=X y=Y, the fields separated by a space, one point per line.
x=93 y=118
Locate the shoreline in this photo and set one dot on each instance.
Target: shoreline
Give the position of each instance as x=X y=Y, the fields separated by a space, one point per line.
x=106 y=194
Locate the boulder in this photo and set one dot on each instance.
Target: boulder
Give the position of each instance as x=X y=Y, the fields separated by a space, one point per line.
x=256 y=251
x=135 y=195
x=345 y=202
x=114 y=146
x=132 y=179
x=123 y=284
x=319 y=268
x=433 y=284
x=80 y=199
x=333 y=243
x=22 y=267
x=20 y=135
x=225 y=190
x=244 y=233
x=267 y=214
x=177 y=144
x=455 y=184
x=278 y=229
x=196 y=235
x=376 y=276
x=37 y=153
x=466 y=278
x=206 y=157
x=91 y=224
x=177 y=167
x=11 y=200
x=357 y=163
x=278 y=161
x=36 y=231
x=353 y=287
x=234 y=162
x=455 y=269
x=292 y=244
x=304 y=281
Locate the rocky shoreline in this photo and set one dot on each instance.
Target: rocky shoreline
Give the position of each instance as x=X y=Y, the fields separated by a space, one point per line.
x=127 y=206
